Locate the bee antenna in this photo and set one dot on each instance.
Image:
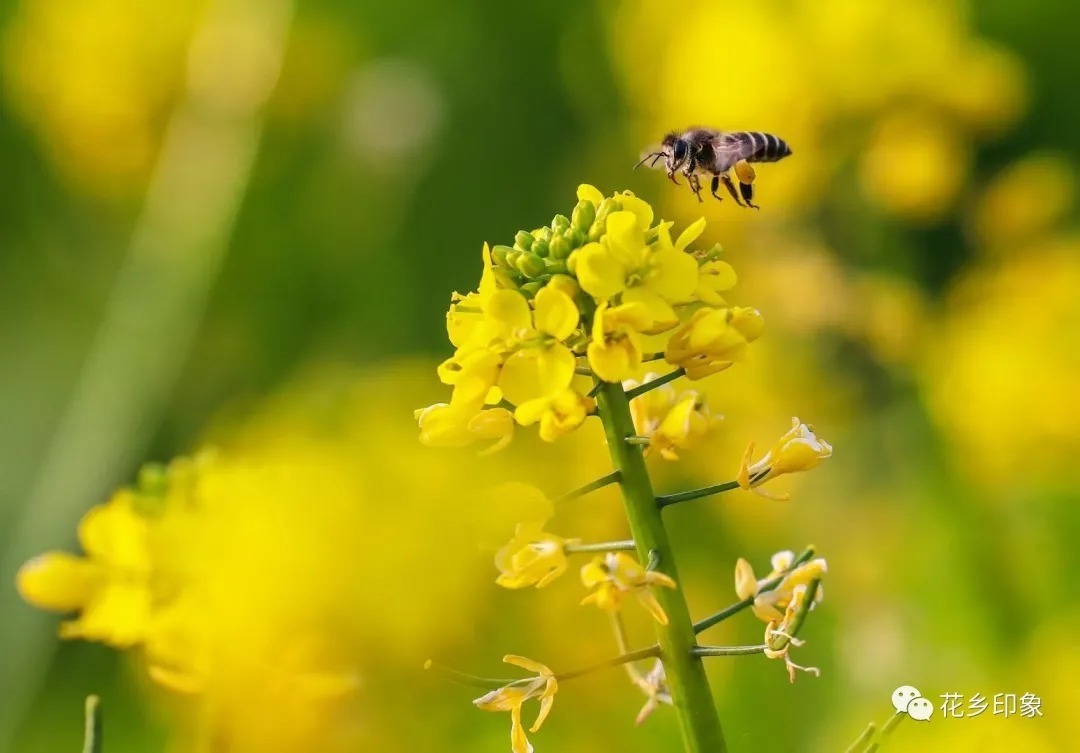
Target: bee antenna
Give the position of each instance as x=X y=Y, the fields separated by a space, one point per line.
x=644 y=159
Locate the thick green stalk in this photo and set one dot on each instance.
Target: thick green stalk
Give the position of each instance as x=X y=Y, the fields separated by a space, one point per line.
x=685 y=673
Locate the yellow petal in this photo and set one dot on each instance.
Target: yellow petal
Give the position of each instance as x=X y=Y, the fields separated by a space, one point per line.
x=57 y=581
x=555 y=313
x=614 y=362
x=536 y=373
x=655 y=313
x=599 y=272
x=746 y=584
x=527 y=664
x=691 y=234
x=519 y=743
x=546 y=701
x=586 y=192
x=675 y=274
x=650 y=603
x=625 y=237
x=510 y=309
x=642 y=211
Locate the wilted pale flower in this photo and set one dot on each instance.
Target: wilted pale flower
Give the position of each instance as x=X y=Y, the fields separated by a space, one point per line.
x=800 y=449
x=616 y=574
x=768 y=605
x=672 y=420
x=779 y=638
x=655 y=686
x=512 y=697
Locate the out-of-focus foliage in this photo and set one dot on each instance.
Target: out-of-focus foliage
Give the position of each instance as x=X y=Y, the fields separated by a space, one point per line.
x=915 y=261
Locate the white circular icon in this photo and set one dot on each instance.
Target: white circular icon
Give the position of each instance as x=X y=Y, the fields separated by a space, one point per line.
x=904 y=695
x=920 y=709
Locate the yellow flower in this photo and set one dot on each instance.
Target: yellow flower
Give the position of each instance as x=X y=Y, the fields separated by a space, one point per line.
x=800 y=449
x=447 y=425
x=779 y=638
x=768 y=604
x=532 y=557
x=660 y=273
x=110 y=586
x=616 y=574
x=714 y=278
x=540 y=365
x=558 y=414
x=512 y=697
x=615 y=351
x=713 y=339
x=672 y=421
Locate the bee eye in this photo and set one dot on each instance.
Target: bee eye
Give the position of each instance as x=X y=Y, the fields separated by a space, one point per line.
x=680 y=150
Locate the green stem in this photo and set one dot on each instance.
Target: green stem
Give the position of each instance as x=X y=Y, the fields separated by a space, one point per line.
x=691 y=696
x=769 y=585
x=592 y=486
x=727 y=650
x=607 y=546
x=639 y=441
x=860 y=744
x=641 y=389
x=92 y=735
x=673 y=499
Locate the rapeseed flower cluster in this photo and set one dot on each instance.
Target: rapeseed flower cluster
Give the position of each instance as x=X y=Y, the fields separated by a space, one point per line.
x=560 y=328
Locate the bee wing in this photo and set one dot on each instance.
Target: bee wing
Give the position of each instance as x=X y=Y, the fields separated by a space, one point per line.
x=653 y=155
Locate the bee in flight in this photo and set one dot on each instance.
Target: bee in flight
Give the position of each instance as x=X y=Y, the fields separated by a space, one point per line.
x=707 y=151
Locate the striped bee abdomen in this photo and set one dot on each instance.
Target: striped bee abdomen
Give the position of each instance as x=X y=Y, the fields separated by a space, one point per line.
x=763 y=147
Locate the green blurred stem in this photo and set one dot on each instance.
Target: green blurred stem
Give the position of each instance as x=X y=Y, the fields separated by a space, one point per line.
x=92 y=735
x=592 y=486
x=691 y=696
x=627 y=658
x=651 y=357
x=641 y=389
x=639 y=441
x=723 y=614
x=863 y=740
x=607 y=546
x=673 y=499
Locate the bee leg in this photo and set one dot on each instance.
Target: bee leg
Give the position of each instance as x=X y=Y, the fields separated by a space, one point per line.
x=731 y=188
x=715 y=185
x=747 y=191
x=695 y=186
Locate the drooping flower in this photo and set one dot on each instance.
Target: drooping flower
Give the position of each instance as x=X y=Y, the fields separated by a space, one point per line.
x=512 y=697
x=109 y=586
x=532 y=558
x=713 y=339
x=768 y=605
x=799 y=449
x=614 y=575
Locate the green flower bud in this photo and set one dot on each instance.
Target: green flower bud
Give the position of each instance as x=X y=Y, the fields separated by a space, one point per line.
x=559 y=248
x=530 y=265
x=596 y=232
x=504 y=256
x=583 y=216
x=555 y=266
x=560 y=224
x=571 y=263
x=575 y=237
x=607 y=206
x=507 y=279
x=713 y=253
x=542 y=234
x=530 y=289
x=540 y=248
x=523 y=240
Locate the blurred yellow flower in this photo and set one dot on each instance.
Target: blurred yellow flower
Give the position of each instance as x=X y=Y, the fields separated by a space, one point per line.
x=800 y=449
x=616 y=574
x=109 y=587
x=672 y=420
x=446 y=425
x=767 y=605
x=654 y=685
x=532 y=558
x=713 y=339
x=1024 y=201
x=512 y=697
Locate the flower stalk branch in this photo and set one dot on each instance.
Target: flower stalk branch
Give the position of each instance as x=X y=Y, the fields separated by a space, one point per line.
x=641 y=389
x=608 y=546
x=600 y=483
x=673 y=499
x=691 y=696
x=92 y=735
x=703 y=651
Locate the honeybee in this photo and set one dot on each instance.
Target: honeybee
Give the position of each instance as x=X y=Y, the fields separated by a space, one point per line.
x=707 y=151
